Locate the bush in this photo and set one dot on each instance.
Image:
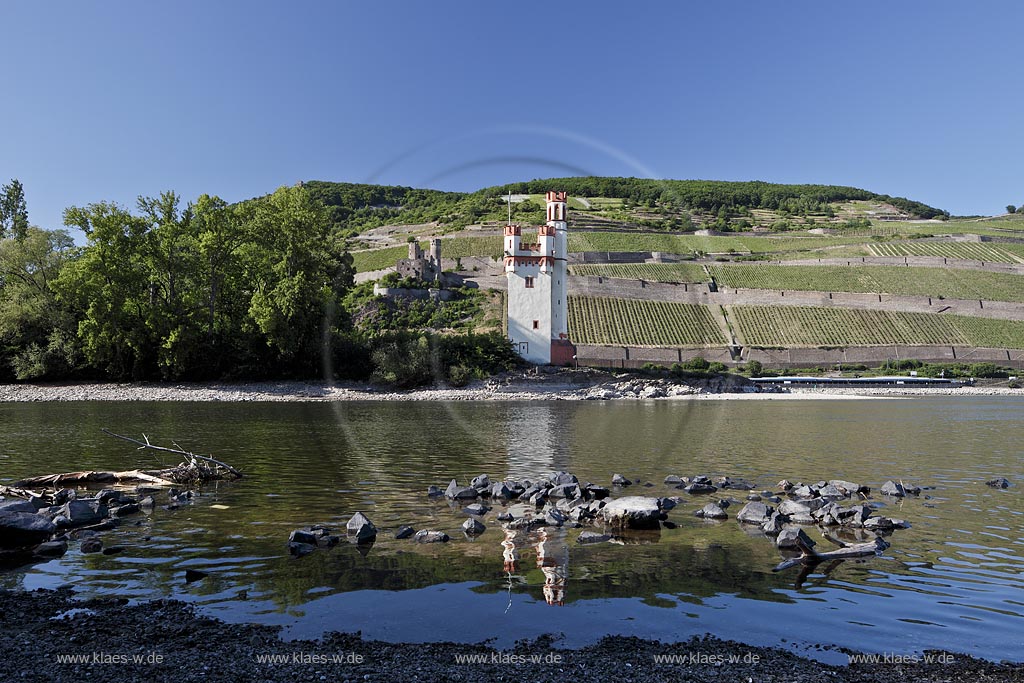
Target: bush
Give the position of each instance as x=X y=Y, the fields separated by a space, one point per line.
x=754 y=368
x=717 y=367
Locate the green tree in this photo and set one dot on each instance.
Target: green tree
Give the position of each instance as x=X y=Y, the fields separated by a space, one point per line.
x=13 y=211
x=37 y=334
x=1010 y=208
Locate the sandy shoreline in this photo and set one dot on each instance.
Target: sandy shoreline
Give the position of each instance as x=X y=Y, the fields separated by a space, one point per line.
x=295 y=391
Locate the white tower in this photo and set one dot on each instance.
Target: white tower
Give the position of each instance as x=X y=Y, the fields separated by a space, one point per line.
x=537 y=288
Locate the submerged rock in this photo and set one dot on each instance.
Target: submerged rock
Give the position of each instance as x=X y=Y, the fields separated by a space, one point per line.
x=425 y=536
x=593 y=537
x=998 y=483
x=301 y=549
x=619 y=480
x=404 y=532
x=93 y=544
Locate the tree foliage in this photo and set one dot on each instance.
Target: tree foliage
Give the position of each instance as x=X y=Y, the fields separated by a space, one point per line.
x=13 y=211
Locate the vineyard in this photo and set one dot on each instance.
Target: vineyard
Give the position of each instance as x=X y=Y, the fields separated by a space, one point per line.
x=973 y=251
x=652 y=272
x=948 y=283
x=641 y=323
x=807 y=326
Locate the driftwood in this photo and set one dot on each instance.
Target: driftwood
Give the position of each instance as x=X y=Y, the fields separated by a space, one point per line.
x=177 y=450
x=808 y=557
x=195 y=469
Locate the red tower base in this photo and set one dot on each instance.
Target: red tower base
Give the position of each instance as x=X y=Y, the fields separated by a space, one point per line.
x=563 y=352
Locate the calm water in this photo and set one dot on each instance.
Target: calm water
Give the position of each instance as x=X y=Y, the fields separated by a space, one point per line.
x=953 y=581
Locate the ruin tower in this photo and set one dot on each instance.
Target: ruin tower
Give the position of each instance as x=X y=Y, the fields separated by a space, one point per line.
x=537 y=288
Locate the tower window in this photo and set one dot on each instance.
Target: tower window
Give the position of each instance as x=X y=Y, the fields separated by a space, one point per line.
x=529 y=283
x=536 y=324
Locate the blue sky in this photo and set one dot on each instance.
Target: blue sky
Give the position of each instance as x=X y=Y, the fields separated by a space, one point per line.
x=111 y=100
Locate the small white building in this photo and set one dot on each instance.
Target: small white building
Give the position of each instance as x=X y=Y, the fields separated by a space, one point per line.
x=538 y=321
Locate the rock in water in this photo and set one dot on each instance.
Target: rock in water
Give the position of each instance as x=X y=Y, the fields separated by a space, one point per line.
x=361 y=527
x=473 y=527
x=302 y=536
x=404 y=532
x=712 y=511
x=788 y=538
x=456 y=492
x=619 y=480
x=999 y=483
x=891 y=488
x=426 y=536
x=84 y=511
x=24 y=529
x=633 y=512
x=755 y=513
x=51 y=549
x=593 y=537
x=92 y=545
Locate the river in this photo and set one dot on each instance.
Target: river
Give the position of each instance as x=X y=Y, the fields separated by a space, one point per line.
x=954 y=581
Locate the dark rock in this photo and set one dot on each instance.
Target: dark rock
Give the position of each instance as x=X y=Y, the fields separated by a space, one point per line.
x=565 y=491
x=539 y=498
x=593 y=537
x=113 y=549
x=476 y=509
x=669 y=525
x=754 y=497
x=473 y=527
x=804 y=492
x=598 y=492
x=712 y=511
x=667 y=504
x=302 y=536
x=301 y=549
x=125 y=509
x=434 y=492
x=619 y=480
x=633 y=512
x=328 y=541
x=147 y=503
x=361 y=528
x=833 y=492
x=82 y=511
x=648 y=485
x=18 y=505
x=900 y=523
x=481 y=483
x=773 y=499
x=858 y=515
x=64 y=495
x=502 y=490
x=891 y=488
x=560 y=478
x=785 y=484
x=24 y=529
x=404 y=532
x=505 y=517
x=673 y=479
x=774 y=524
x=193 y=575
x=696 y=487
x=51 y=549
x=998 y=483
x=426 y=536
x=755 y=513
x=456 y=492
x=93 y=544
x=879 y=524
x=788 y=538
x=847 y=487
x=555 y=517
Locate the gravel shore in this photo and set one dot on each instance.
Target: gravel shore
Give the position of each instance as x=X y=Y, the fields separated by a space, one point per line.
x=522 y=387
x=43 y=630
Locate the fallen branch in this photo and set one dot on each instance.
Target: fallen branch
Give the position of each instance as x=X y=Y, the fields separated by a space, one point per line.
x=179 y=451
x=91 y=477
x=809 y=557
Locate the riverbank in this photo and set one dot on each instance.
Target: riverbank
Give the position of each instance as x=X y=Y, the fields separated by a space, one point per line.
x=50 y=636
x=566 y=386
